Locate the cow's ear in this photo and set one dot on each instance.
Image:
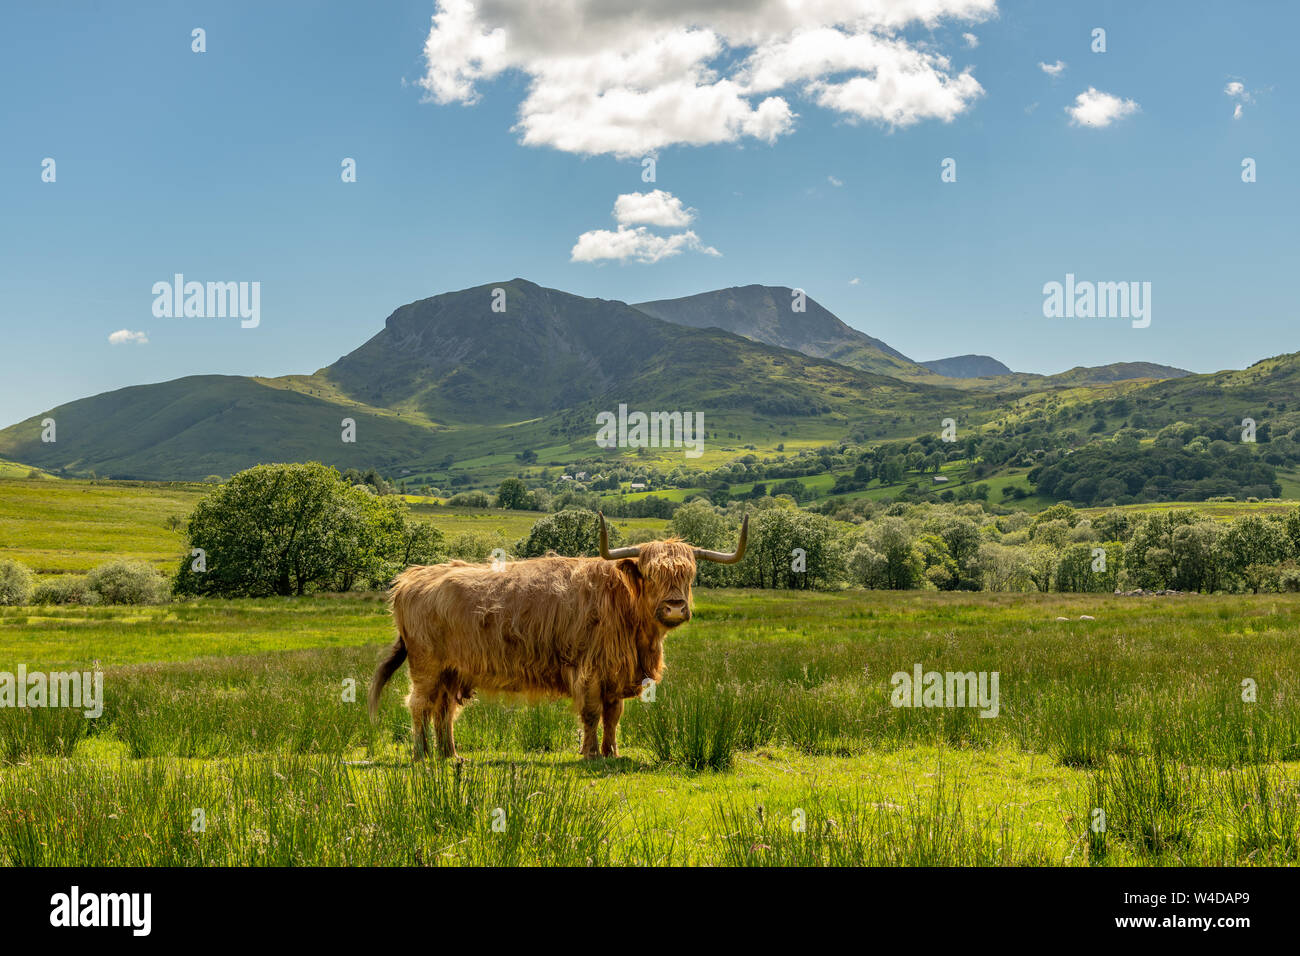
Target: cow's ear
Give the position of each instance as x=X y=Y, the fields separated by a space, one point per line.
x=631 y=572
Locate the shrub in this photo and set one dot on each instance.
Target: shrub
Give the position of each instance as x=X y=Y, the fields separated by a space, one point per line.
x=127 y=582
x=63 y=589
x=16 y=583
x=471 y=499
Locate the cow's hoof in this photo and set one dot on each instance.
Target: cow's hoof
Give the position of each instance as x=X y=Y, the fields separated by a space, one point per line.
x=591 y=756
x=612 y=753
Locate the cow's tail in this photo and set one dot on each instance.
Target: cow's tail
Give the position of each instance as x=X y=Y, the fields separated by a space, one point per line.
x=387 y=667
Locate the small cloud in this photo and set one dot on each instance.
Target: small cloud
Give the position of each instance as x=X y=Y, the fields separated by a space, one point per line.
x=971 y=39
x=1237 y=91
x=634 y=213
x=639 y=244
x=127 y=337
x=855 y=281
x=1094 y=108
x=1052 y=69
x=1031 y=107
x=657 y=208
x=834 y=182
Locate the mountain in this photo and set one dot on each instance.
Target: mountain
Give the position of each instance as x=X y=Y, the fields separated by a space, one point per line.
x=449 y=379
x=1265 y=393
x=202 y=425
x=1116 y=372
x=765 y=314
x=967 y=366
x=1082 y=375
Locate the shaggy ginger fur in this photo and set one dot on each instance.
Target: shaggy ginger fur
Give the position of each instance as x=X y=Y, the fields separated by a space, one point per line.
x=584 y=628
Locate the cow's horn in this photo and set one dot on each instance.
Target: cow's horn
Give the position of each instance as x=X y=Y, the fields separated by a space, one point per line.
x=721 y=556
x=617 y=553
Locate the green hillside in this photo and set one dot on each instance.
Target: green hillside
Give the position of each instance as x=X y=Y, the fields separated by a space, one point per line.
x=203 y=425
x=766 y=314
x=463 y=389
x=450 y=383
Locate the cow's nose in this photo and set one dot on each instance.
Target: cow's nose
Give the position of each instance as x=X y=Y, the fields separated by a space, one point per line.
x=676 y=605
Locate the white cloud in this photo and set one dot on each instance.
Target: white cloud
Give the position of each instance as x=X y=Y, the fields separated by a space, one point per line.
x=835 y=182
x=1237 y=91
x=1052 y=69
x=634 y=212
x=855 y=281
x=127 y=337
x=971 y=39
x=1095 y=108
x=623 y=78
x=657 y=208
x=637 y=243
x=902 y=85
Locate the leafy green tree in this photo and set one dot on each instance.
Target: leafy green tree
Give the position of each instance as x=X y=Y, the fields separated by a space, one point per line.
x=570 y=533
x=513 y=494
x=1196 y=557
x=1252 y=547
x=290 y=529
x=961 y=539
x=1151 y=554
x=1003 y=567
x=1041 y=561
x=699 y=523
x=789 y=548
x=886 y=556
x=477 y=547
x=1113 y=525
x=1079 y=569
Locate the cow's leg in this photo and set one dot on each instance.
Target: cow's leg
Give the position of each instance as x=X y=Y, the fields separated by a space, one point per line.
x=443 y=717
x=451 y=693
x=417 y=700
x=609 y=743
x=590 y=709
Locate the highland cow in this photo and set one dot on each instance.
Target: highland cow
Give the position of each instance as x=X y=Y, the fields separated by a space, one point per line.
x=591 y=629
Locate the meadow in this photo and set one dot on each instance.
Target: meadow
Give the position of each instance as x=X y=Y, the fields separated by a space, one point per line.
x=68 y=526
x=772 y=740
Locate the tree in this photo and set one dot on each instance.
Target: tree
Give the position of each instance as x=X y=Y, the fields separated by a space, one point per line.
x=1041 y=562
x=1252 y=547
x=886 y=556
x=699 y=523
x=288 y=529
x=571 y=533
x=961 y=539
x=788 y=548
x=1151 y=552
x=513 y=495
x=1003 y=568
x=1196 y=557
x=1080 y=570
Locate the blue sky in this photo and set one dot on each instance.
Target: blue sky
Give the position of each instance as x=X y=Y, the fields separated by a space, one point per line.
x=225 y=166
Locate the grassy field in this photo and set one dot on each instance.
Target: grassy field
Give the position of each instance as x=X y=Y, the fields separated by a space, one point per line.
x=1217 y=510
x=772 y=740
x=70 y=526
x=56 y=527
